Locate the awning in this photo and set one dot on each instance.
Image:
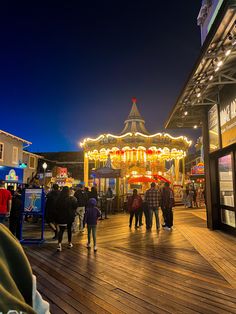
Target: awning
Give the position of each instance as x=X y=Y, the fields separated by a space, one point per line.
x=141 y=179
x=215 y=68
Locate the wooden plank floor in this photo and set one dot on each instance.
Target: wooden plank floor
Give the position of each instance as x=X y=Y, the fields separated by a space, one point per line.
x=188 y=270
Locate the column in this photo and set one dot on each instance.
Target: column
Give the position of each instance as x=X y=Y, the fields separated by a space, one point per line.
x=176 y=170
x=86 y=168
x=183 y=171
x=117 y=193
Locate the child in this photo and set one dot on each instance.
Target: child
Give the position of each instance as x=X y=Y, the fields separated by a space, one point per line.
x=92 y=214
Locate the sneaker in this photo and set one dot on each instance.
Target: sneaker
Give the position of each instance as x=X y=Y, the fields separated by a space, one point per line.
x=95 y=248
x=88 y=245
x=59 y=248
x=70 y=245
x=167 y=228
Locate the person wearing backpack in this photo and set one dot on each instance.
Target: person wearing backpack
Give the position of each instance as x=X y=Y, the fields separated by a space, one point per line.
x=134 y=205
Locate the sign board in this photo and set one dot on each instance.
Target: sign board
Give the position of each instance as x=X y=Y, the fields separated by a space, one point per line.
x=11 y=174
x=33 y=201
x=228 y=115
x=198 y=169
x=33 y=205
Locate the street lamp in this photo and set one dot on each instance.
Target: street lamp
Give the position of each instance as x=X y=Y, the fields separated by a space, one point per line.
x=44 y=170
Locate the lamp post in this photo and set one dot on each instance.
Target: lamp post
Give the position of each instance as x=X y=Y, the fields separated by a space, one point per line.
x=44 y=170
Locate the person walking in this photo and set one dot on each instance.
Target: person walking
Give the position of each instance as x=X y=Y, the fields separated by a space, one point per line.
x=15 y=214
x=167 y=203
x=5 y=202
x=80 y=211
x=109 y=198
x=92 y=214
x=153 y=199
x=50 y=208
x=134 y=206
x=66 y=206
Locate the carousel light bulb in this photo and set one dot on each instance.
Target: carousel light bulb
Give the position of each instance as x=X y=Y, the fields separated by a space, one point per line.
x=185 y=113
x=219 y=64
x=195 y=126
x=198 y=95
x=211 y=78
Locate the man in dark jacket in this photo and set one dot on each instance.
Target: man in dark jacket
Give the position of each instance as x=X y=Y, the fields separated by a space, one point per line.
x=15 y=214
x=167 y=203
x=50 y=208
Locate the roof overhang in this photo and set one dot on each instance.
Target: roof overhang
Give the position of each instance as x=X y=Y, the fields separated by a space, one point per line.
x=215 y=68
x=15 y=137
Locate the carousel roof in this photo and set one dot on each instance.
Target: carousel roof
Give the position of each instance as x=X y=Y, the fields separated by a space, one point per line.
x=135 y=135
x=135 y=122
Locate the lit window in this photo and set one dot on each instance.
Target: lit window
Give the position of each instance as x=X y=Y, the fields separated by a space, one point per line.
x=15 y=155
x=1 y=151
x=32 y=162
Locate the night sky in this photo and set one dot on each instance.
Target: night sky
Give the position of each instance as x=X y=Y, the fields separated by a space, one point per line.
x=68 y=69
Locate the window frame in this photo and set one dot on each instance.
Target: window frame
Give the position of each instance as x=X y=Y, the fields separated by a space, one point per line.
x=17 y=155
x=34 y=158
x=2 y=156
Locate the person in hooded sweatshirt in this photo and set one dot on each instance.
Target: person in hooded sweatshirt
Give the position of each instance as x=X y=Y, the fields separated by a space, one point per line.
x=92 y=214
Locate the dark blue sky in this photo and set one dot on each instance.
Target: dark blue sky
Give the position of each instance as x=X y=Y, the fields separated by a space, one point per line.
x=68 y=69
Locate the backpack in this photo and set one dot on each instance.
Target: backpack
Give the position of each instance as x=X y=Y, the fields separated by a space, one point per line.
x=135 y=204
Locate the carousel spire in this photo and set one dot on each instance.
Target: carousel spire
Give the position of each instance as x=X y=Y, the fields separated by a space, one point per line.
x=135 y=122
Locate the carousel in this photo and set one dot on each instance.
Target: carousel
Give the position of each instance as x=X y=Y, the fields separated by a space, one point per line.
x=141 y=157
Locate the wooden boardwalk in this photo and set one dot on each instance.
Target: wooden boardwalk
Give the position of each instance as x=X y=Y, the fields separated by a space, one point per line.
x=188 y=270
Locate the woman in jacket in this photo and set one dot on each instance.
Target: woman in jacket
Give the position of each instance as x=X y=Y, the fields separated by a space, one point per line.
x=66 y=206
x=134 y=207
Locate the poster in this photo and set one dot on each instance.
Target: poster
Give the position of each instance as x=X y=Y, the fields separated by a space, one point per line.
x=226 y=181
x=228 y=115
x=213 y=125
x=33 y=201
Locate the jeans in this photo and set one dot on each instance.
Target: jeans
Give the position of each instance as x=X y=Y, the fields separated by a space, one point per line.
x=2 y=218
x=93 y=229
x=79 y=219
x=132 y=213
x=168 y=214
x=156 y=213
x=61 y=231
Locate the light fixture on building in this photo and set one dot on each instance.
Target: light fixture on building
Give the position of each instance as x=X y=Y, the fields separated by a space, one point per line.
x=211 y=78
x=195 y=126
x=185 y=113
x=217 y=69
x=219 y=64
x=228 y=52
x=198 y=95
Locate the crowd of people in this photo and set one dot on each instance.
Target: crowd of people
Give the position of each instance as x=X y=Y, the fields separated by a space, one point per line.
x=193 y=197
x=154 y=199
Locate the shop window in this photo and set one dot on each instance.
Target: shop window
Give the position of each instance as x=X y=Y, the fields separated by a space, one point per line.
x=15 y=155
x=1 y=151
x=32 y=162
x=226 y=181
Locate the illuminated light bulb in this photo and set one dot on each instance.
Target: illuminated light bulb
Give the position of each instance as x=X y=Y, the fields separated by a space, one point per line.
x=217 y=69
x=195 y=126
x=219 y=64
x=185 y=113
x=211 y=78
x=228 y=52
x=199 y=94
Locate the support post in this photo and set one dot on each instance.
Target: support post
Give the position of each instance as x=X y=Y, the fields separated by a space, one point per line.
x=118 y=193
x=86 y=169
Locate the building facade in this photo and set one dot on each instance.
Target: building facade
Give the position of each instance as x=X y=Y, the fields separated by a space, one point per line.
x=208 y=100
x=17 y=166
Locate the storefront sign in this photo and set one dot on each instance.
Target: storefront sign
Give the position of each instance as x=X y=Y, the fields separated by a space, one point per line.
x=198 y=169
x=11 y=174
x=228 y=115
x=213 y=125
